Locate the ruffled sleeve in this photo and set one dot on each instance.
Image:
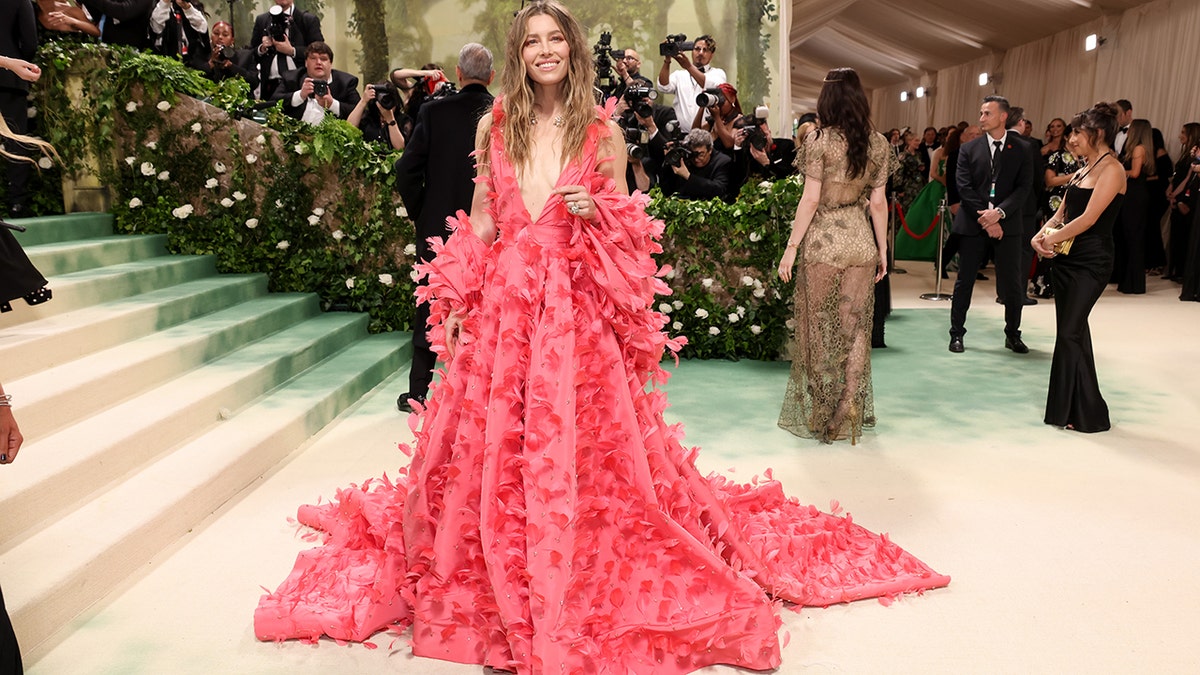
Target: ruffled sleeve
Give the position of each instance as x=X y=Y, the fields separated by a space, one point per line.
x=454 y=278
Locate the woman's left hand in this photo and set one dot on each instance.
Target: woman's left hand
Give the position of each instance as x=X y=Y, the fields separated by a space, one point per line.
x=881 y=269
x=577 y=200
x=1041 y=246
x=787 y=263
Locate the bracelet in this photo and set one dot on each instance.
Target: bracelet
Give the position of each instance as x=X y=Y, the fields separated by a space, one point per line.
x=5 y=400
x=791 y=245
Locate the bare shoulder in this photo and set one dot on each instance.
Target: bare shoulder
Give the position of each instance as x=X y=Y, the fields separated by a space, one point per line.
x=484 y=128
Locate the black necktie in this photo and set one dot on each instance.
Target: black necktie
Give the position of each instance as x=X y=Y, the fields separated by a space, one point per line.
x=995 y=156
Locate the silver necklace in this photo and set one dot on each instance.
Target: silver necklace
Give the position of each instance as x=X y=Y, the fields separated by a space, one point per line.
x=558 y=120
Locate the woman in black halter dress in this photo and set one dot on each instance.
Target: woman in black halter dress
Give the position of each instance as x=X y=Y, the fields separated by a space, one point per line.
x=1090 y=207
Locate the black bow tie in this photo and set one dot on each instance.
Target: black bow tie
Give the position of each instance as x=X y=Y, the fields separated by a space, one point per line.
x=1125 y=128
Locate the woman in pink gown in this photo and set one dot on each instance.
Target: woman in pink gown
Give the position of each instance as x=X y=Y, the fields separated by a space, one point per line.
x=551 y=521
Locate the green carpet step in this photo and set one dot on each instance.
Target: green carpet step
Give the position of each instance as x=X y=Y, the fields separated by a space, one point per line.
x=85 y=254
x=69 y=227
x=38 y=345
x=80 y=558
x=99 y=451
x=91 y=287
x=92 y=383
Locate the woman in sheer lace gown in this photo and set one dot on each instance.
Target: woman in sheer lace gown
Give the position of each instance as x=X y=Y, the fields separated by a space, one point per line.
x=841 y=257
x=551 y=521
x=1090 y=207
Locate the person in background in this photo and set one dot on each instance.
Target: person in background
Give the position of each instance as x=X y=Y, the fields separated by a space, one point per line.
x=178 y=29
x=277 y=57
x=1157 y=187
x=1129 y=267
x=226 y=60
x=316 y=90
x=375 y=115
x=1181 y=193
x=1061 y=165
x=696 y=75
x=64 y=17
x=18 y=46
x=122 y=22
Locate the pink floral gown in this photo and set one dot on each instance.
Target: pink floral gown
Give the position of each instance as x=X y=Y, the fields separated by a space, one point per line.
x=551 y=521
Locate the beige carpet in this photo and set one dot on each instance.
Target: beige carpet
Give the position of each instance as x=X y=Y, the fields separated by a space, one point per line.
x=1069 y=553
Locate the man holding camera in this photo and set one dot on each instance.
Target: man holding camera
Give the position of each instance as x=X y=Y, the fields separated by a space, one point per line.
x=435 y=178
x=646 y=127
x=179 y=30
x=697 y=74
x=280 y=38
x=770 y=158
x=311 y=92
x=696 y=170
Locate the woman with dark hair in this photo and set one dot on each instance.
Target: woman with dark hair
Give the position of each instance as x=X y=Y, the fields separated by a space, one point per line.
x=1056 y=137
x=551 y=521
x=1061 y=165
x=1079 y=239
x=1157 y=186
x=845 y=166
x=1129 y=266
x=1181 y=199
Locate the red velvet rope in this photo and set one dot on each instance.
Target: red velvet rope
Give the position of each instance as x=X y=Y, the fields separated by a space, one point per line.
x=904 y=224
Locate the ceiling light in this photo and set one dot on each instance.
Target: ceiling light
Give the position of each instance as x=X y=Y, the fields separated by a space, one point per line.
x=903 y=96
x=983 y=79
x=1091 y=42
x=920 y=92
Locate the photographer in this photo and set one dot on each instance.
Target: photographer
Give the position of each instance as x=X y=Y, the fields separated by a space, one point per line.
x=695 y=170
x=696 y=76
x=279 y=40
x=646 y=127
x=770 y=158
x=228 y=61
x=375 y=115
x=718 y=109
x=179 y=30
x=627 y=62
x=125 y=22
x=311 y=92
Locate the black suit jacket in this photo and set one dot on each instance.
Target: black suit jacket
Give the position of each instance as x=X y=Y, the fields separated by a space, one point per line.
x=242 y=65
x=705 y=183
x=127 y=22
x=435 y=175
x=304 y=30
x=344 y=89
x=1014 y=182
x=18 y=39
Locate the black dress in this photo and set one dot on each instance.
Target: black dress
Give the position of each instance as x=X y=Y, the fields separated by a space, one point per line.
x=1191 y=272
x=1079 y=278
x=1129 y=272
x=18 y=277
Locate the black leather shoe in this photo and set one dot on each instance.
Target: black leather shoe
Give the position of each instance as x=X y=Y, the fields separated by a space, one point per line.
x=956 y=345
x=1030 y=301
x=1015 y=345
x=405 y=401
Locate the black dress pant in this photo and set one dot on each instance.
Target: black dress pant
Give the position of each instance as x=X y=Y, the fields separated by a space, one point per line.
x=972 y=252
x=420 y=376
x=14 y=105
x=10 y=652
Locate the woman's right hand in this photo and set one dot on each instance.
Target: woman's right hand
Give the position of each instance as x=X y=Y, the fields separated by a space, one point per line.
x=787 y=263
x=453 y=327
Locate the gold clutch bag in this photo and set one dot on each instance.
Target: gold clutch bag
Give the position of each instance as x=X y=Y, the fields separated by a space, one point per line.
x=1063 y=247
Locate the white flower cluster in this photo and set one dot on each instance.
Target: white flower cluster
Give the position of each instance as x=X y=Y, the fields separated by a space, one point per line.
x=386 y=279
x=252 y=223
x=411 y=249
x=183 y=211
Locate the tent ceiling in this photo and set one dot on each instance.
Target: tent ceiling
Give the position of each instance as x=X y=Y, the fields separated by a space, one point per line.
x=891 y=42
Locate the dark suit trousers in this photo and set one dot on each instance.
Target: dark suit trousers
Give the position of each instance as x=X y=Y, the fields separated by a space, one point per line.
x=1030 y=228
x=10 y=653
x=972 y=253
x=14 y=106
x=420 y=376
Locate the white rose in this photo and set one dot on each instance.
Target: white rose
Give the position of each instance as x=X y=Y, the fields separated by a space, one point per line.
x=754 y=237
x=153 y=145
x=733 y=318
x=318 y=211
x=386 y=279
x=164 y=175
x=747 y=280
x=707 y=283
x=299 y=148
x=131 y=160
x=182 y=212
x=219 y=167
x=45 y=163
x=163 y=106
x=665 y=308
x=401 y=211
x=760 y=292
x=260 y=139
x=678 y=304
x=765 y=185
x=411 y=249
x=134 y=203
x=741 y=310
x=283 y=245
x=313 y=220
x=756 y=329
x=252 y=223
x=251 y=158
x=713 y=330
x=702 y=313
x=414 y=275
x=677 y=326
x=336 y=234
x=196 y=128
x=31 y=111
x=147 y=169
x=350 y=282
x=227 y=202
x=239 y=195
x=278 y=204
x=210 y=183
x=790 y=323
x=131 y=106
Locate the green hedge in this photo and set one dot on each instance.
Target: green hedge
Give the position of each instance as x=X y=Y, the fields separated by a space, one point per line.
x=316 y=209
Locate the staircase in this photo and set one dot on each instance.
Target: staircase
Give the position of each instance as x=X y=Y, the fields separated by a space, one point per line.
x=151 y=391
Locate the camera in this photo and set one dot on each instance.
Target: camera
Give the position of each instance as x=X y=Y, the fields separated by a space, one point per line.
x=636 y=139
x=226 y=53
x=280 y=22
x=435 y=88
x=604 y=65
x=675 y=44
x=386 y=95
x=676 y=152
x=320 y=87
x=618 y=54
x=754 y=133
x=634 y=95
x=710 y=98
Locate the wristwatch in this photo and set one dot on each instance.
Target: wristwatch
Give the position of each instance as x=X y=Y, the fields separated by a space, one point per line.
x=1001 y=212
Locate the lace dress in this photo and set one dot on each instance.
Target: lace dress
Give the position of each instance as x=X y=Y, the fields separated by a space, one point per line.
x=551 y=521
x=829 y=393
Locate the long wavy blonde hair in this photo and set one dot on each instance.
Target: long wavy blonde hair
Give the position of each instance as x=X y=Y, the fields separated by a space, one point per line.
x=28 y=141
x=517 y=87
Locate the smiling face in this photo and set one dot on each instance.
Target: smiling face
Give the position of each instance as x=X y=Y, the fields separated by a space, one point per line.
x=545 y=51
x=1057 y=127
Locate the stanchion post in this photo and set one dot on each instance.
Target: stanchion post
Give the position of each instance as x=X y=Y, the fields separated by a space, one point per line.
x=892 y=211
x=943 y=217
